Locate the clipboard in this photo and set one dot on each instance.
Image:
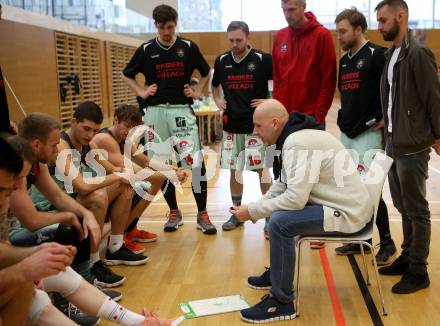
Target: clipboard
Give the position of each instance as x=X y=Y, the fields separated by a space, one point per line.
x=213 y=306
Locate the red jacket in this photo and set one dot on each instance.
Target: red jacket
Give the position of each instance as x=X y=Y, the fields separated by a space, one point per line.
x=304 y=68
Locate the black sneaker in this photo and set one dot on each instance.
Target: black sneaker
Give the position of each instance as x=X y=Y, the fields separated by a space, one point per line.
x=398 y=267
x=104 y=277
x=124 y=256
x=387 y=252
x=114 y=295
x=81 y=318
x=268 y=310
x=411 y=282
x=73 y=312
x=261 y=282
x=351 y=249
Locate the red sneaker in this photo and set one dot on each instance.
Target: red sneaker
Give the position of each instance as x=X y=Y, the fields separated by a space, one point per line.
x=133 y=246
x=141 y=235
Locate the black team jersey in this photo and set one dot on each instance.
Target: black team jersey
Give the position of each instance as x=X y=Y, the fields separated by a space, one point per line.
x=359 y=85
x=170 y=67
x=4 y=111
x=242 y=82
x=121 y=144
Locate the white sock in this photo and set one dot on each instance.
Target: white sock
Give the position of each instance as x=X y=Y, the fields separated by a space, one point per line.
x=116 y=242
x=114 y=312
x=94 y=257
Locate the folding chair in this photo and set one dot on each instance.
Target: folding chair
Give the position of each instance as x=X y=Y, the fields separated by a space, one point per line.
x=374 y=184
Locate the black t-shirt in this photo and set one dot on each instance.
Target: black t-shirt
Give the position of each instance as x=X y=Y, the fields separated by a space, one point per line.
x=168 y=67
x=107 y=131
x=242 y=82
x=84 y=148
x=4 y=111
x=359 y=85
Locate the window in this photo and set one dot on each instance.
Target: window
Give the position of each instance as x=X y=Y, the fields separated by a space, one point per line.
x=205 y=15
x=437 y=14
x=325 y=11
x=263 y=15
x=361 y=5
x=215 y=15
x=420 y=14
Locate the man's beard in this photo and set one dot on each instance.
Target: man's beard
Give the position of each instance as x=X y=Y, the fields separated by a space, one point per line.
x=349 y=45
x=392 y=34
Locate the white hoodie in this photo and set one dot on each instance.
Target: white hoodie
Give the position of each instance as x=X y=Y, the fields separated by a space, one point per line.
x=317 y=169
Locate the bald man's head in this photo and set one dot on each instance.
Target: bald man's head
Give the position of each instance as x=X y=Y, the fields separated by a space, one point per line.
x=272 y=108
x=270 y=118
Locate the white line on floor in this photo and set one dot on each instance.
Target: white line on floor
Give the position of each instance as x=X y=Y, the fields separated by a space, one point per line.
x=400 y=220
x=143 y=222
x=185 y=221
x=432 y=202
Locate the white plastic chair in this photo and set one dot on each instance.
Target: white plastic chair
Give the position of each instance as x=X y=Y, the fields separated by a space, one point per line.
x=374 y=184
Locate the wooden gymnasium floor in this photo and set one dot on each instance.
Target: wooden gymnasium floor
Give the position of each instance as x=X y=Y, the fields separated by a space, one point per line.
x=187 y=265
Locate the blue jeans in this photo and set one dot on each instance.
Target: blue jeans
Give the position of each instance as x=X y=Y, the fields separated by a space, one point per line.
x=284 y=226
x=26 y=238
x=60 y=233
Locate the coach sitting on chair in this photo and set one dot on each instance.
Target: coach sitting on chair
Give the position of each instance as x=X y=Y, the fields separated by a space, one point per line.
x=315 y=193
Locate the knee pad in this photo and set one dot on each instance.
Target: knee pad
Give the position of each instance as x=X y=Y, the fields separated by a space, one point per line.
x=39 y=301
x=67 y=235
x=64 y=283
x=64 y=235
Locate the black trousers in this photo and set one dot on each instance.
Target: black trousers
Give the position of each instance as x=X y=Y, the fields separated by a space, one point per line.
x=407 y=179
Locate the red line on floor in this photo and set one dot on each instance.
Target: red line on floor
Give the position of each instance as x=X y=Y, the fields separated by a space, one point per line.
x=336 y=305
